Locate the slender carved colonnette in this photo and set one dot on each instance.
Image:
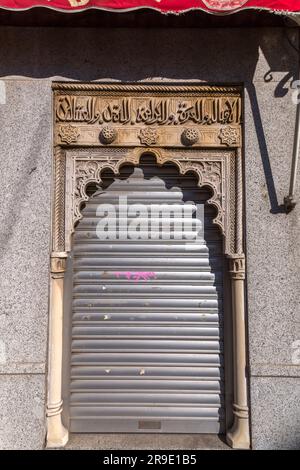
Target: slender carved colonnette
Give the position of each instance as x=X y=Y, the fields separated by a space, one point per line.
x=57 y=434
x=238 y=436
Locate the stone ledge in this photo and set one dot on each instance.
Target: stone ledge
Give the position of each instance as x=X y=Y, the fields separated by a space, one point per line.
x=146 y=441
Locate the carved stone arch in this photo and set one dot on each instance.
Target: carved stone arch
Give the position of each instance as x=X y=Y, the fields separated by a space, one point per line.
x=75 y=170
x=215 y=157
x=208 y=174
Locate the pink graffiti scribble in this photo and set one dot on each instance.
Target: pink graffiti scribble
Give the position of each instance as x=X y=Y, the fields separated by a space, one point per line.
x=136 y=276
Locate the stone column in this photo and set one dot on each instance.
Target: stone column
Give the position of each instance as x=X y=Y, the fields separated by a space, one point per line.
x=57 y=434
x=238 y=436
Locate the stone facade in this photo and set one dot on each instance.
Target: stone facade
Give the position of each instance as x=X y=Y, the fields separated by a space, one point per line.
x=265 y=63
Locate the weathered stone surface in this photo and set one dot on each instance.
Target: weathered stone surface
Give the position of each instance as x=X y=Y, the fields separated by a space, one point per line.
x=276 y=413
x=25 y=172
x=22 y=409
x=273 y=253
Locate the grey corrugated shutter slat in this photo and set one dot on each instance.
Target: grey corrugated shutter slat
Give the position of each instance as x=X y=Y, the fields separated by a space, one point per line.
x=147 y=356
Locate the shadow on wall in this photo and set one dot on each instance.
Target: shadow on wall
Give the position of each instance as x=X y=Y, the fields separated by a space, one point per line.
x=275 y=207
x=289 y=46
x=129 y=54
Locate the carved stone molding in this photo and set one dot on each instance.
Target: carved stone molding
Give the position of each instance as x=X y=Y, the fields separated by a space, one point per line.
x=144 y=87
x=59 y=200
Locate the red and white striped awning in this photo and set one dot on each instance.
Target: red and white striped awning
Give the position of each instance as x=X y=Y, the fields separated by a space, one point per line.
x=163 y=6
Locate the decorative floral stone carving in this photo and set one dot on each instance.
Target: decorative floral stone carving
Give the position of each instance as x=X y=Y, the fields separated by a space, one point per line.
x=189 y=136
x=86 y=172
x=148 y=136
x=108 y=135
x=209 y=174
x=68 y=134
x=229 y=135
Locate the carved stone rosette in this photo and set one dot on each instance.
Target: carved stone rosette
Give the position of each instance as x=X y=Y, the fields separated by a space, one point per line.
x=190 y=136
x=148 y=136
x=229 y=135
x=68 y=134
x=108 y=135
x=149 y=118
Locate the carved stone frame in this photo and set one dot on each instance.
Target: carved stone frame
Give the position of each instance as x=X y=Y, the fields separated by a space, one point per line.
x=218 y=167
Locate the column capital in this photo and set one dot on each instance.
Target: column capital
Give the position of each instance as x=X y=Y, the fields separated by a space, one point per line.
x=236 y=265
x=58 y=262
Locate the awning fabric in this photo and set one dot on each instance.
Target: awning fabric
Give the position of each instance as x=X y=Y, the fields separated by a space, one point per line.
x=164 y=6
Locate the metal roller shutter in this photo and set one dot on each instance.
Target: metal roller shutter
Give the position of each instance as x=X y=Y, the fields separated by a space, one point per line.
x=147 y=352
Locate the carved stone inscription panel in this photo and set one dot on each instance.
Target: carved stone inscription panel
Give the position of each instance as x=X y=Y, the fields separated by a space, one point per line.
x=147 y=115
x=97 y=126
